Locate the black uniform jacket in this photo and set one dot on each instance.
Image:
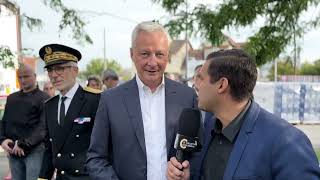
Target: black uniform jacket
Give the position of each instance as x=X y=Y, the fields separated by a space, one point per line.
x=67 y=146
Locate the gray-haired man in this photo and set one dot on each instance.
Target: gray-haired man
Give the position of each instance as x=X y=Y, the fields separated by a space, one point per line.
x=136 y=122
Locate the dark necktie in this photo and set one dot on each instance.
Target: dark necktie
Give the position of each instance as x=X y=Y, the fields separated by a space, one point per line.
x=62 y=110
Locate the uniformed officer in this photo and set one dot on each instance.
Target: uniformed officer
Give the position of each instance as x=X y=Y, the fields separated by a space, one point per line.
x=68 y=116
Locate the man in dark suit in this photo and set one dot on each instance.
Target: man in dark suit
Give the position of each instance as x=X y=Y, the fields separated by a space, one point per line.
x=246 y=141
x=69 y=116
x=136 y=122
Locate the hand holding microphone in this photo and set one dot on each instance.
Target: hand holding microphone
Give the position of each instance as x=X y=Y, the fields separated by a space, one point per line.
x=186 y=142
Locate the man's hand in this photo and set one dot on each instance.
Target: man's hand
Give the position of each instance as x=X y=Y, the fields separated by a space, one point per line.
x=17 y=150
x=7 y=145
x=175 y=172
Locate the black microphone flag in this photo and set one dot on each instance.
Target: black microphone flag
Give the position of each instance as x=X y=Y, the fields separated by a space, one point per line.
x=186 y=140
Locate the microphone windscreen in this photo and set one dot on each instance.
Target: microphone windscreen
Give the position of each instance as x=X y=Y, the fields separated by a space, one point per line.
x=189 y=122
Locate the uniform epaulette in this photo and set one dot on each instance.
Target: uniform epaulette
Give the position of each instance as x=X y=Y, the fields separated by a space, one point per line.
x=50 y=99
x=91 y=90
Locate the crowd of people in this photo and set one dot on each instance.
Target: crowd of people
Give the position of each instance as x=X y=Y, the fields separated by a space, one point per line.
x=108 y=130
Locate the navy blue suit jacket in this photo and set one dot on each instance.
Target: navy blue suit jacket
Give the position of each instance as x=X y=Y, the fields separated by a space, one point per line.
x=117 y=149
x=267 y=148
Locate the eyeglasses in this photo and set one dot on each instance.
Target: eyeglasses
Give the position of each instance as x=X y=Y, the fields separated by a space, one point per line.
x=57 y=69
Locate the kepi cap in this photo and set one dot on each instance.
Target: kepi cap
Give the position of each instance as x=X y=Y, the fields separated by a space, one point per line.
x=58 y=54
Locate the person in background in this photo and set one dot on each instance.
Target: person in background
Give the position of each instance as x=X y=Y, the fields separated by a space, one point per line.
x=110 y=79
x=20 y=133
x=69 y=116
x=94 y=83
x=196 y=80
x=49 y=89
x=246 y=141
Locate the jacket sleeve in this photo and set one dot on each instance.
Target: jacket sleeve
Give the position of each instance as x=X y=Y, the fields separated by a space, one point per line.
x=293 y=157
x=98 y=163
x=3 y=123
x=47 y=168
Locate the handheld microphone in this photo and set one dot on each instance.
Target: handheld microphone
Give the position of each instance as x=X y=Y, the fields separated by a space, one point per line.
x=186 y=140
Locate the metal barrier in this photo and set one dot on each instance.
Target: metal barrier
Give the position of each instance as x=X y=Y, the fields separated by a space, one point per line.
x=296 y=102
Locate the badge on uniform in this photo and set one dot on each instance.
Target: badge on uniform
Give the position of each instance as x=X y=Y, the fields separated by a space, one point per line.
x=82 y=120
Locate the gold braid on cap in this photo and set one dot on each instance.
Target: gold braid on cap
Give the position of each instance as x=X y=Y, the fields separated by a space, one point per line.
x=59 y=56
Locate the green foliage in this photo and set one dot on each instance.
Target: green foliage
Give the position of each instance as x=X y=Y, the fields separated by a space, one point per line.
x=96 y=67
x=71 y=19
x=6 y=57
x=284 y=67
x=283 y=22
x=31 y=22
x=318 y=153
x=310 y=68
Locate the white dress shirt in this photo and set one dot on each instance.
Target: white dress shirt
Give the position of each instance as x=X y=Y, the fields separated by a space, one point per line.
x=69 y=95
x=154 y=124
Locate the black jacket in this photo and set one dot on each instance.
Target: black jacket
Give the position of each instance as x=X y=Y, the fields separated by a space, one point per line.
x=67 y=146
x=21 y=118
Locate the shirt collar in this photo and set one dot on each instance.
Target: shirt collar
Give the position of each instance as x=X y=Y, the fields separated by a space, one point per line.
x=30 y=92
x=232 y=130
x=71 y=92
x=144 y=88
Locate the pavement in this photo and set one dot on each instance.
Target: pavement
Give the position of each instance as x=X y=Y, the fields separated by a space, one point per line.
x=3 y=165
x=312 y=131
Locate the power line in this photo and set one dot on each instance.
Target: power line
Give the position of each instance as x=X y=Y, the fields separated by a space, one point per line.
x=108 y=14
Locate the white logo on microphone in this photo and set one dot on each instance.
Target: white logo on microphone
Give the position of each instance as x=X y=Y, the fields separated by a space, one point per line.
x=183 y=143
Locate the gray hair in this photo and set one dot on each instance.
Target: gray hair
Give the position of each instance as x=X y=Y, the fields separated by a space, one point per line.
x=148 y=26
x=110 y=74
x=72 y=63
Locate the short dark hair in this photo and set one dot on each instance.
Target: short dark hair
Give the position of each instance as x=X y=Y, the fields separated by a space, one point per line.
x=94 y=78
x=197 y=67
x=238 y=67
x=110 y=74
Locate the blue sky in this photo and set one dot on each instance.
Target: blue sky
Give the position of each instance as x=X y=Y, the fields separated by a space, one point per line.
x=118 y=31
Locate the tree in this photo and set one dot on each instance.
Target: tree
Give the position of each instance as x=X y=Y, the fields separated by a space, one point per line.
x=6 y=57
x=70 y=18
x=283 y=22
x=284 y=67
x=310 y=68
x=96 y=67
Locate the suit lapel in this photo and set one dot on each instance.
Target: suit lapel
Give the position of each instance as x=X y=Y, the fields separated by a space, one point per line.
x=132 y=102
x=171 y=113
x=73 y=112
x=235 y=155
x=52 y=115
x=241 y=141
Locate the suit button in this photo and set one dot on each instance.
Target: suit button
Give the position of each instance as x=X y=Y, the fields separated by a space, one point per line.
x=77 y=136
x=72 y=155
x=58 y=155
x=62 y=172
x=76 y=171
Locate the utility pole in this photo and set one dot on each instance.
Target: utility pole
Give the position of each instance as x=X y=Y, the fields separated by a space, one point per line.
x=275 y=69
x=187 y=52
x=295 y=51
x=18 y=26
x=104 y=48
